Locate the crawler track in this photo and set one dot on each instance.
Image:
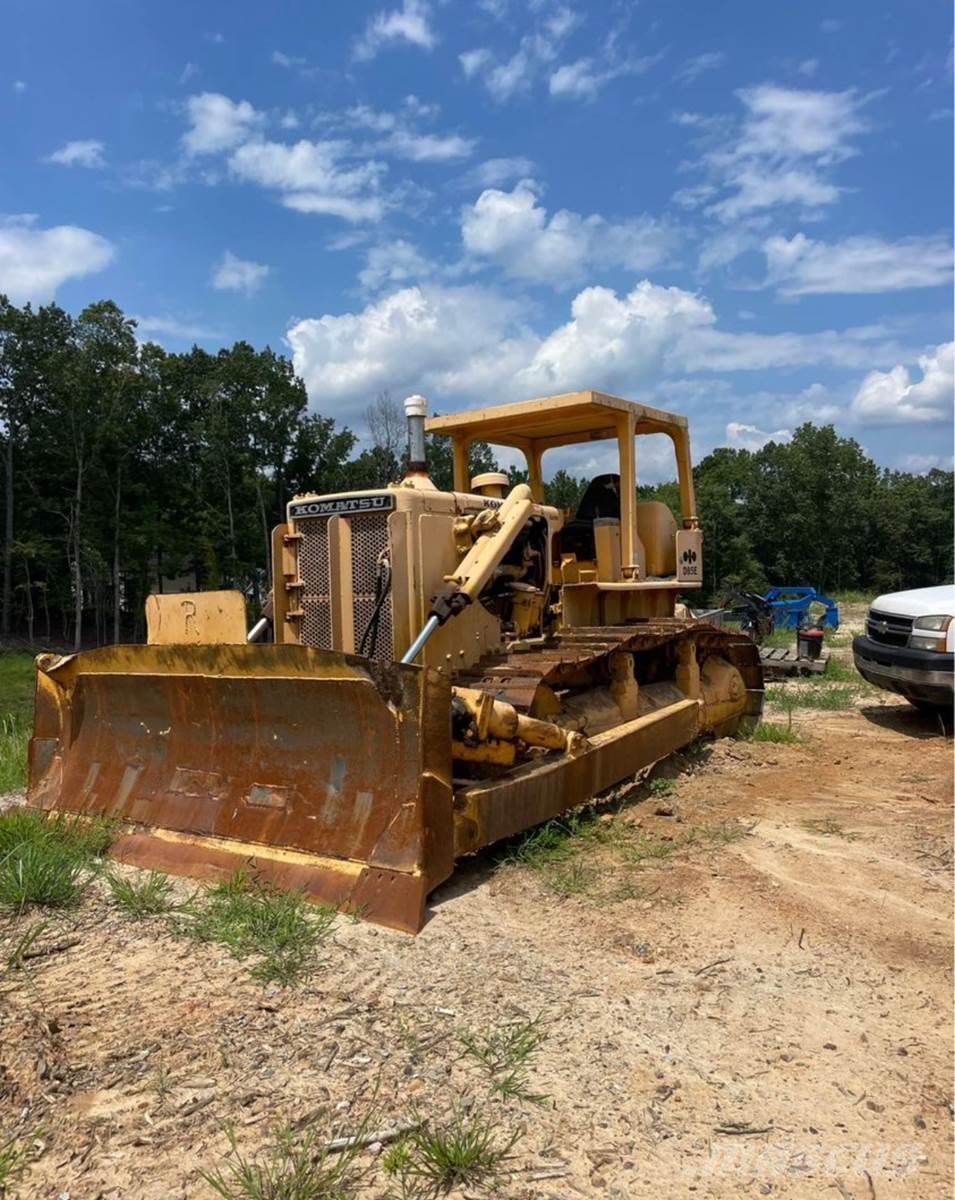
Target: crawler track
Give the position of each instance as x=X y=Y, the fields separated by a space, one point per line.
x=579 y=659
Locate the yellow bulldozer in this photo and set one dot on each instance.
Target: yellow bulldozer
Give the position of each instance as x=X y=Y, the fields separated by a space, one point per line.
x=437 y=671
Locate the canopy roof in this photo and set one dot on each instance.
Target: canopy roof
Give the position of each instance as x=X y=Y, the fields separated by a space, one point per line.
x=554 y=421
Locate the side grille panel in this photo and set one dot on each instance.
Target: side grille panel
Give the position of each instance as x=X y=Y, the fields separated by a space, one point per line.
x=369 y=542
x=314 y=573
x=888 y=630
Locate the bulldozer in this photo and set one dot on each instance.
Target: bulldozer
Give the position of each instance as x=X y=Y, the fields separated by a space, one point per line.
x=436 y=671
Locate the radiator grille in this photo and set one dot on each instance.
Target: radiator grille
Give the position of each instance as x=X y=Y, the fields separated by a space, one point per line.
x=888 y=629
x=369 y=541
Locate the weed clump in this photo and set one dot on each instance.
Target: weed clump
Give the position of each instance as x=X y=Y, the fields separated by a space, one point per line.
x=505 y=1052
x=48 y=861
x=465 y=1151
x=143 y=896
x=281 y=929
x=297 y=1167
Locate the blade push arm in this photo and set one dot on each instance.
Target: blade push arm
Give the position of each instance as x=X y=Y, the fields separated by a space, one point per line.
x=474 y=572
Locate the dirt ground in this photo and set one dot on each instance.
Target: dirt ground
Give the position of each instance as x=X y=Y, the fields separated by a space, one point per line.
x=769 y=1015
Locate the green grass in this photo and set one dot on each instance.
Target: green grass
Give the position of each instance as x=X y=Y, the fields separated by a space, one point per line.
x=770 y=731
x=601 y=856
x=838 y=671
x=141 y=896
x=464 y=1152
x=780 y=639
x=280 y=929
x=13 y=1158
x=827 y=827
x=295 y=1167
x=505 y=1052
x=661 y=786
x=17 y=675
x=822 y=697
x=48 y=861
x=853 y=597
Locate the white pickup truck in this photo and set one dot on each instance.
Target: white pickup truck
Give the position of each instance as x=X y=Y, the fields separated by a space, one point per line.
x=909 y=645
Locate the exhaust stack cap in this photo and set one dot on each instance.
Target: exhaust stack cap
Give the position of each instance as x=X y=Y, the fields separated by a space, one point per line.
x=416 y=406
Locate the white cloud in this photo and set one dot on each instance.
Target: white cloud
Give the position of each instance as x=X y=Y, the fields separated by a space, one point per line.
x=921 y=464
x=723 y=248
x=514 y=231
x=583 y=79
x=893 y=398
x=808 y=67
x=409 y=24
x=79 y=154
x=217 y=123
x=693 y=68
x=312 y=177
x=799 y=266
x=495 y=171
x=506 y=77
x=427 y=147
x=34 y=262
x=19 y=86
x=463 y=343
x=172 y=327
x=189 y=71
x=237 y=275
x=399 y=137
x=779 y=153
x=398 y=262
x=748 y=437
x=217 y=39
x=288 y=61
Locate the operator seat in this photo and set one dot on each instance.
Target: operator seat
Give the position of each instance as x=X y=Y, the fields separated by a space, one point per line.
x=601 y=499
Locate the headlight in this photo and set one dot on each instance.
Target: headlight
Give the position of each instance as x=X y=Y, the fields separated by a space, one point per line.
x=933 y=626
x=939 y=624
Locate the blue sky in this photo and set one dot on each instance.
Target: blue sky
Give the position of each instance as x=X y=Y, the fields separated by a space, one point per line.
x=740 y=211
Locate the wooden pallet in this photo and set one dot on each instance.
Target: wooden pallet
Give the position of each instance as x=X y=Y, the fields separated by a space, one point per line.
x=777 y=663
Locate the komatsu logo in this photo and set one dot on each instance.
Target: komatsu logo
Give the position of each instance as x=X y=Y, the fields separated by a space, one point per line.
x=341 y=505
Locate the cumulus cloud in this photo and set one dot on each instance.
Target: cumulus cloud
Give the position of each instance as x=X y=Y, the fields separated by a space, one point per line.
x=799 y=266
x=513 y=230
x=409 y=24
x=311 y=177
x=467 y=342
x=495 y=171
x=396 y=262
x=87 y=153
x=34 y=262
x=779 y=153
x=234 y=274
x=749 y=437
x=217 y=123
x=895 y=398
x=470 y=342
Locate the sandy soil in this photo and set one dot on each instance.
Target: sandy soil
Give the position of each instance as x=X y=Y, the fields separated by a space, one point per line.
x=769 y=1016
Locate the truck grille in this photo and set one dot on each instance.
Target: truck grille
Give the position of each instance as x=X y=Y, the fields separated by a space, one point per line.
x=369 y=541
x=888 y=630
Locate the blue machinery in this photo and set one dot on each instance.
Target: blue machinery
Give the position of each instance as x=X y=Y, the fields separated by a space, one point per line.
x=792 y=608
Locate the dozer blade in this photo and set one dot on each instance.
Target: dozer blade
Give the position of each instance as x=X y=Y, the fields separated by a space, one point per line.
x=309 y=768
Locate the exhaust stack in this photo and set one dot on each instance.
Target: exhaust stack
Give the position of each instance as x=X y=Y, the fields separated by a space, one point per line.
x=416 y=409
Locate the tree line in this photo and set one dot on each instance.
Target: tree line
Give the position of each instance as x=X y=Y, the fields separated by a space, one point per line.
x=126 y=468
